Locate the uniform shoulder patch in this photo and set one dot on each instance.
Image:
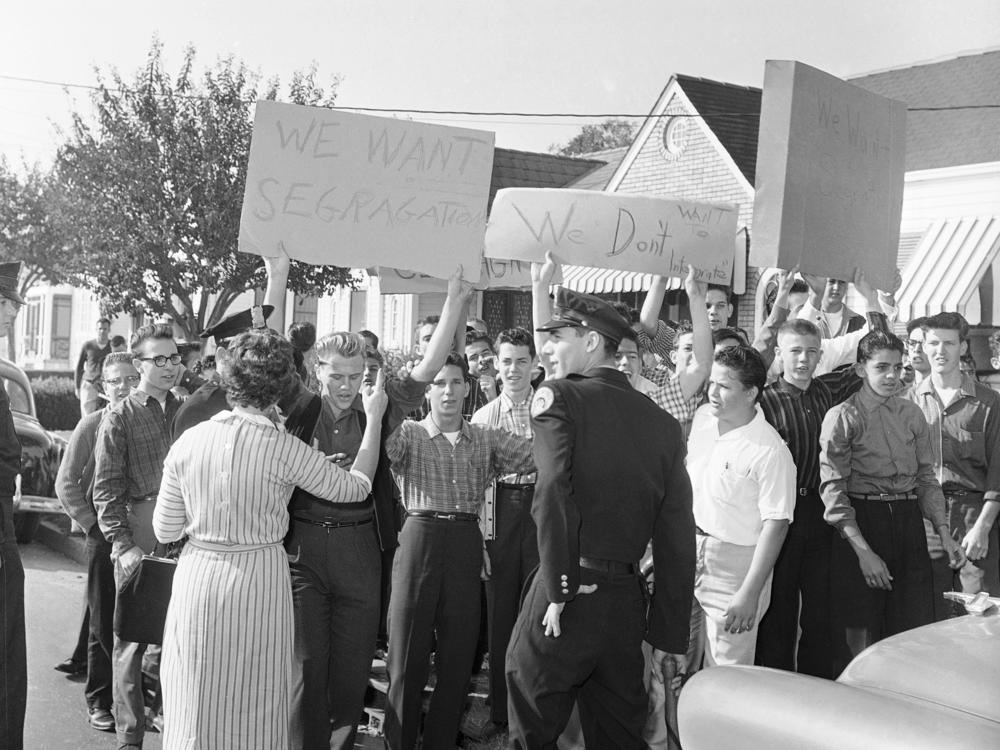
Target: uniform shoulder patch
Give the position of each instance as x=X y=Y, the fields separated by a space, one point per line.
x=542 y=401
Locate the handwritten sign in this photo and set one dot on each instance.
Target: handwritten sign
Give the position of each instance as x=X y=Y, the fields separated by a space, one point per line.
x=614 y=230
x=497 y=273
x=332 y=187
x=829 y=192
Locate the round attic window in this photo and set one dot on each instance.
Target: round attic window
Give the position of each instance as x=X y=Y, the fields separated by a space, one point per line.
x=675 y=137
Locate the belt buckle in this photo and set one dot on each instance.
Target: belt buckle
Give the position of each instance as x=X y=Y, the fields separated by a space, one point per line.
x=885 y=496
x=803 y=492
x=448 y=517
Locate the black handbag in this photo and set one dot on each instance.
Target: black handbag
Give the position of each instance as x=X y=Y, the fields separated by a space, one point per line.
x=141 y=608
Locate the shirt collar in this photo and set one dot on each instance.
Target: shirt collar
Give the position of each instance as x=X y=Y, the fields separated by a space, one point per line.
x=967 y=388
x=144 y=398
x=871 y=400
x=507 y=403
x=257 y=419
x=433 y=431
x=790 y=389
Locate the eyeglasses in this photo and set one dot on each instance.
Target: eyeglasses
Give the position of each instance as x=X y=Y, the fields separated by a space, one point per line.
x=914 y=344
x=115 y=382
x=161 y=360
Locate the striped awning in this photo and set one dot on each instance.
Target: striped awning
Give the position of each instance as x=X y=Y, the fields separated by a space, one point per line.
x=947 y=267
x=605 y=281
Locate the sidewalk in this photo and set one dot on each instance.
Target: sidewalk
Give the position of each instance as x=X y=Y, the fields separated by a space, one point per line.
x=54 y=533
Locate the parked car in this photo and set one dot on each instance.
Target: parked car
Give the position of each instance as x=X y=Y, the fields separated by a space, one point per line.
x=41 y=452
x=937 y=686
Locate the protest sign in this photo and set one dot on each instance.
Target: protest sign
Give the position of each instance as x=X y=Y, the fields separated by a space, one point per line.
x=829 y=181
x=331 y=187
x=496 y=274
x=614 y=230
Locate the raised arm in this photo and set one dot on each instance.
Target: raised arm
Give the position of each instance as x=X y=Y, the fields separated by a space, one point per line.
x=452 y=316
x=649 y=316
x=767 y=336
x=693 y=377
x=541 y=308
x=277 y=284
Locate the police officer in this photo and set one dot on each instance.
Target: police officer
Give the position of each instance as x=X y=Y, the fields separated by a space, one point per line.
x=13 y=661
x=610 y=477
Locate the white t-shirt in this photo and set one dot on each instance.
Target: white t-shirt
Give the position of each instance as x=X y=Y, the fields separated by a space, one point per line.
x=739 y=479
x=452 y=436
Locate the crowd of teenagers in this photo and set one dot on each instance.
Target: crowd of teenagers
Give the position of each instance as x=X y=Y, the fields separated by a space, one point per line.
x=632 y=498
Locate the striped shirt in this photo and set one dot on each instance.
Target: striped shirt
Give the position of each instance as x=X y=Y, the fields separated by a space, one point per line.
x=435 y=475
x=132 y=442
x=661 y=343
x=228 y=481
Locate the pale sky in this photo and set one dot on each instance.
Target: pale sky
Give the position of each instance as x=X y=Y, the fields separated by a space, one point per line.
x=517 y=55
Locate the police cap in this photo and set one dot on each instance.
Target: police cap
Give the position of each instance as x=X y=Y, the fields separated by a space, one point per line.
x=9 y=274
x=576 y=310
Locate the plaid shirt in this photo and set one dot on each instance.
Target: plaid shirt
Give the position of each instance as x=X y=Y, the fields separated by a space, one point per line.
x=132 y=442
x=435 y=475
x=669 y=396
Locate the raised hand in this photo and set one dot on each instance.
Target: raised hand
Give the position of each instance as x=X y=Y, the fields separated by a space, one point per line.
x=543 y=273
x=374 y=397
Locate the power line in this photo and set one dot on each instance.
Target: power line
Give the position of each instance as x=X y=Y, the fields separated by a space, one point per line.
x=469 y=113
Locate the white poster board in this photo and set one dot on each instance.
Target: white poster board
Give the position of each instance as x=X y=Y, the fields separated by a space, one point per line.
x=496 y=274
x=829 y=181
x=331 y=187
x=614 y=230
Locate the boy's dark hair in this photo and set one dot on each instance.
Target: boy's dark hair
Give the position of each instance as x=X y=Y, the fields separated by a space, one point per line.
x=915 y=324
x=117 y=340
x=117 y=358
x=948 y=321
x=155 y=332
x=302 y=335
x=457 y=360
x=103 y=320
x=798 y=287
x=721 y=334
x=746 y=363
x=369 y=337
x=372 y=353
x=515 y=337
x=430 y=320
x=629 y=313
x=682 y=328
x=724 y=289
x=877 y=341
x=800 y=327
x=473 y=337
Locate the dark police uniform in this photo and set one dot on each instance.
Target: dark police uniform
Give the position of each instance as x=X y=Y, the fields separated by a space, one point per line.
x=610 y=477
x=13 y=653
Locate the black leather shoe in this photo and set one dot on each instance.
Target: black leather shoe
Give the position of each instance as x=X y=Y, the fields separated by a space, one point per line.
x=101 y=719
x=71 y=667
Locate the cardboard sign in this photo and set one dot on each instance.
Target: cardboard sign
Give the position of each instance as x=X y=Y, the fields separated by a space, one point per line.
x=496 y=274
x=332 y=187
x=830 y=163
x=614 y=230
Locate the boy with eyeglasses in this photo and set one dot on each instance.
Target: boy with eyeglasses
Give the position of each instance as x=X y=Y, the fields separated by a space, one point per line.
x=74 y=488
x=132 y=443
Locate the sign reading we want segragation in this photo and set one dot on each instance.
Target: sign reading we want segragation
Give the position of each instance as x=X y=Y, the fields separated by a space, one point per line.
x=338 y=188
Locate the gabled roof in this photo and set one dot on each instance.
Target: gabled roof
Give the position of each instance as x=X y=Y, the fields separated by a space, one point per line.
x=536 y=170
x=597 y=179
x=733 y=114
x=946 y=138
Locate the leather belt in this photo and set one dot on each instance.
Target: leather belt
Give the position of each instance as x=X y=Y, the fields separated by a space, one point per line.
x=961 y=492
x=886 y=497
x=516 y=487
x=609 y=566
x=440 y=516
x=332 y=524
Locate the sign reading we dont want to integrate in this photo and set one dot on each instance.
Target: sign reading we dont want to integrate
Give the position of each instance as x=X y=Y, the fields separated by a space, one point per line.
x=497 y=273
x=614 y=230
x=338 y=188
x=829 y=181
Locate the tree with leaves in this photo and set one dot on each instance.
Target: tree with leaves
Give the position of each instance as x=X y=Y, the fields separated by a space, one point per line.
x=612 y=133
x=149 y=195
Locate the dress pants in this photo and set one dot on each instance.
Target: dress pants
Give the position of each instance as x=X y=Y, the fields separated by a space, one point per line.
x=720 y=570
x=596 y=662
x=101 y=616
x=336 y=576
x=977 y=575
x=513 y=555
x=861 y=615
x=13 y=651
x=435 y=593
x=801 y=574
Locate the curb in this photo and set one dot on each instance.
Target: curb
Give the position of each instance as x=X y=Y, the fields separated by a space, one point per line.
x=53 y=535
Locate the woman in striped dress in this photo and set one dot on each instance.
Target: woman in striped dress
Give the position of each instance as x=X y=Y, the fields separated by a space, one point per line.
x=227 y=644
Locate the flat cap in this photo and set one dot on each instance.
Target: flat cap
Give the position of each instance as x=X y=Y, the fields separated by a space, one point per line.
x=576 y=310
x=9 y=275
x=238 y=323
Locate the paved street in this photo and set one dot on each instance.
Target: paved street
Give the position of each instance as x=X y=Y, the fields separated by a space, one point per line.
x=56 y=718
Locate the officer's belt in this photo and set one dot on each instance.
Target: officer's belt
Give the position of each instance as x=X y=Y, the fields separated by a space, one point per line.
x=439 y=516
x=885 y=497
x=609 y=566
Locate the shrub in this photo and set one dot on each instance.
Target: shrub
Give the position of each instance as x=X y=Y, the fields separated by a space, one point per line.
x=57 y=404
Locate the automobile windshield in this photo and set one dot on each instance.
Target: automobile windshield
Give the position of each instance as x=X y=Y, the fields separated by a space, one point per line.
x=19 y=400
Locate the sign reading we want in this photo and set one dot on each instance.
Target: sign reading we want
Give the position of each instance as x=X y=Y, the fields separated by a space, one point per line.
x=614 y=230
x=338 y=188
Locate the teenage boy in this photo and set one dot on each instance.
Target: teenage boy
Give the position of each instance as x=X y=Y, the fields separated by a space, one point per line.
x=88 y=368
x=75 y=490
x=877 y=479
x=509 y=531
x=443 y=465
x=482 y=362
x=132 y=443
x=964 y=420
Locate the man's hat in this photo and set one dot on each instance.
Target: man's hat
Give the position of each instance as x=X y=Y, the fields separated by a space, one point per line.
x=576 y=310
x=238 y=323
x=9 y=274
